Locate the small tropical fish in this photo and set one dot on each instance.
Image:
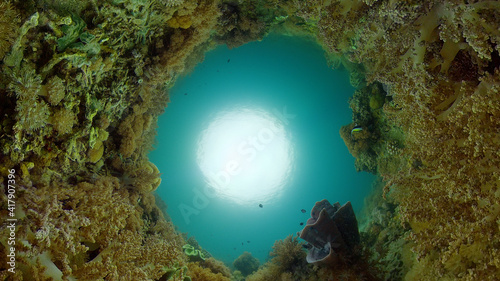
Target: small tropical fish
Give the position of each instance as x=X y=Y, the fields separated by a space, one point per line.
x=356 y=129
x=248 y=241
x=303 y=211
x=228 y=60
x=260 y=205
x=301 y=223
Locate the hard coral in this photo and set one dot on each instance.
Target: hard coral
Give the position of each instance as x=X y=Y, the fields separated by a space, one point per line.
x=360 y=146
x=217 y=266
x=237 y=25
x=197 y=272
x=246 y=263
x=173 y=3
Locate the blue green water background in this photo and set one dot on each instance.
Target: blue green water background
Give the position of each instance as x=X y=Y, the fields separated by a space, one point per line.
x=275 y=73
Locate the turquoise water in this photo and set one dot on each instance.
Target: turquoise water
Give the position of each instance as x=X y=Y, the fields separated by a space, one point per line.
x=258 y=124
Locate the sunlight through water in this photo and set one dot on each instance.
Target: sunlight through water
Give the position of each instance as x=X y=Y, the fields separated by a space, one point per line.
x=246 y=155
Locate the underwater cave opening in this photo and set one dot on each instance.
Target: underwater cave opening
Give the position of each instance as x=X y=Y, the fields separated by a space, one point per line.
x=250 y=138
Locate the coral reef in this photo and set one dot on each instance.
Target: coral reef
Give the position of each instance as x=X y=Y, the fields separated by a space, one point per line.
x=216 y=266
x=198 y=272
x=246 y=263
x=82 y=84
x=385 y=239
x=288 y=257
x=373 y=139
x=443 y=84
x=288 y=262
x=79 y=231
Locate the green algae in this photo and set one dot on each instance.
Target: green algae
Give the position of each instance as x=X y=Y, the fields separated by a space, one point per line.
x=72 y=31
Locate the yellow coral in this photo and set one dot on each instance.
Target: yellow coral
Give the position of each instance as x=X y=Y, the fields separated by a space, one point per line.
x=95 y=153
x=440 y=59
x=197 y=272
x=96 y=150
x=183 y=22
x=217 y=266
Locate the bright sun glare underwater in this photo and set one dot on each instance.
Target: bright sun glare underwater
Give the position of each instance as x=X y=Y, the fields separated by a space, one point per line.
x=246 y=155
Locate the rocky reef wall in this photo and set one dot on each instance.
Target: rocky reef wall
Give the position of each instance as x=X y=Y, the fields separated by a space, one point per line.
x=438 y=63
x=81 y=86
